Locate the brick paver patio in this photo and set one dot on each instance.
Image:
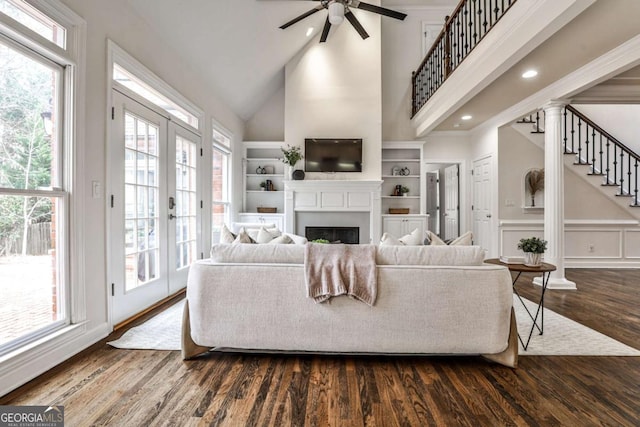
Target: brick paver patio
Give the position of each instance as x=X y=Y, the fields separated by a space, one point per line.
x=25 y=295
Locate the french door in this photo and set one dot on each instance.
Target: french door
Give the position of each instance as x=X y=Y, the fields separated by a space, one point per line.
x=482 y=185
x=153 y=206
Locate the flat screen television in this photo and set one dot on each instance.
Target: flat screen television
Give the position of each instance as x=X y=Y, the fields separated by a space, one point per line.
x=333 y=155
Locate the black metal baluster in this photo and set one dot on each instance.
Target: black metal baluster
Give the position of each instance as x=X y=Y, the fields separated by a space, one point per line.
x=573 y=132
x=608 y=164
x=635 y=191
x=621 y=181
x=586 y=143
x=484 y=21
x=615 y=164
x=593 y=150
x=600 y=156
x=579 y=141
x=497 y=11
x=629 y=174
x=564 y=130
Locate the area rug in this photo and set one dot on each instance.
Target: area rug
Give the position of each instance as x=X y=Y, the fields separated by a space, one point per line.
x=562 y=336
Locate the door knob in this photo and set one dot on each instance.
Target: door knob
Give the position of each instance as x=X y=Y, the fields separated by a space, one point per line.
x=488 y=215
x=172 y=216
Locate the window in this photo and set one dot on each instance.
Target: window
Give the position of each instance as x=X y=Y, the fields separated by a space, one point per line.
x=35 y=20
x=34 y=198
x=139 y=87
x=220 y=181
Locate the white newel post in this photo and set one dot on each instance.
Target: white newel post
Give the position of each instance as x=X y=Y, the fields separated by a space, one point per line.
x=554 y=196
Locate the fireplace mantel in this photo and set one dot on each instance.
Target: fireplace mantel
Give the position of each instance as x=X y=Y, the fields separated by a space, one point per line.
x=333 y=196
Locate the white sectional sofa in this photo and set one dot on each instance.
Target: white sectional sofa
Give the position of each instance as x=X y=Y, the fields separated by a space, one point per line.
x=431 y=300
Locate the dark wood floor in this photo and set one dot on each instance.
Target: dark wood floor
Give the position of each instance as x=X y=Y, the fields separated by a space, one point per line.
x=106 y=386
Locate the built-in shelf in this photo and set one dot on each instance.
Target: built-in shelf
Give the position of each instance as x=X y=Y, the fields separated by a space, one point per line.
x=400 y=197
x=400 y=176
x=263 y=155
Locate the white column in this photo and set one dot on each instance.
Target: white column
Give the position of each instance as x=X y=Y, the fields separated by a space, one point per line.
x=554 y=196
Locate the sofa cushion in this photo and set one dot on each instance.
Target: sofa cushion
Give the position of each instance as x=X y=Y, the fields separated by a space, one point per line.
x=257 y=254
x=429 y=255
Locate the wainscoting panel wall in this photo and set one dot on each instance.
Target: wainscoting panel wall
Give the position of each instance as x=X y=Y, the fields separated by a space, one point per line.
x=588 y=243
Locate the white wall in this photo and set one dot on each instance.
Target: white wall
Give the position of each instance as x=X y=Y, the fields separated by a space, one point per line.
x=401 y=55
x=621 y=121
x=267 y=124
x=334 y=90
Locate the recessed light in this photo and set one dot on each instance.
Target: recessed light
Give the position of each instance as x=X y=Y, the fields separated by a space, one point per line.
x=466 y=117
x=529 y=74
x=309 y=31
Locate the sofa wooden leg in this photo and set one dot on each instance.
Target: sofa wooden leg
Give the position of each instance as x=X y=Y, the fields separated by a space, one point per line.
x=189 y=348
x=509 y=357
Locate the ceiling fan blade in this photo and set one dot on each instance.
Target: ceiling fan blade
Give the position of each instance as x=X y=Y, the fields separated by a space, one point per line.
x=325 y=31
x=301 y=17
x=379 y=10
x=356 y=24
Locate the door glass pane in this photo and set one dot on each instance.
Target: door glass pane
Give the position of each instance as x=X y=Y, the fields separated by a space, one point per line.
x=28 y=143
x=141 y=198
x=185 y=202
x=32 y=295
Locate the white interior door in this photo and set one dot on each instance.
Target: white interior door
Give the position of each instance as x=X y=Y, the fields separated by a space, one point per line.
x=153 y=211
x=452 y=205
x=482 y=203
x=433 y=197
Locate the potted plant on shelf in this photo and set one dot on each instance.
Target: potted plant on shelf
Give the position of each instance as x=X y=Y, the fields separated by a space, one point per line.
x=263 y=186
x=404 y=190
x=533 y=248
x=292 y=155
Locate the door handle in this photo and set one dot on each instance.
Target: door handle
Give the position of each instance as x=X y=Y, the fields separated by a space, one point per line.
x=172 y=203
x=172 y=216
x=488 y=215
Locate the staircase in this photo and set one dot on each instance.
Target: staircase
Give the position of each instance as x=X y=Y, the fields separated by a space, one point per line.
x=594 y=154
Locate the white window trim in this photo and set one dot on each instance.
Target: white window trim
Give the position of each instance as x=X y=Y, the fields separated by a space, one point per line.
x=117 y=55
x=27 y=362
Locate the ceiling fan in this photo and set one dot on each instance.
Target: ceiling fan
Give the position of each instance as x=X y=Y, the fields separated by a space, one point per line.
x=340 y=9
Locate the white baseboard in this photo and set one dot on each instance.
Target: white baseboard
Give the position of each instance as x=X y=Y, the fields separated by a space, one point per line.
x=23 y=366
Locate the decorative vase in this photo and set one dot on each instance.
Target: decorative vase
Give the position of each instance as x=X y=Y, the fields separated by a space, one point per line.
x=532 y=259
x=288 y=172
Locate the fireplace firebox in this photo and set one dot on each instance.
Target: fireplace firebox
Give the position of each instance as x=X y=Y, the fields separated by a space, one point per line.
x=348 y=235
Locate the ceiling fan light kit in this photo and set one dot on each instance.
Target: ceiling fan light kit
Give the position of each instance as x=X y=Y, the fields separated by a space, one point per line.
x=336 y=13
x=340 y=9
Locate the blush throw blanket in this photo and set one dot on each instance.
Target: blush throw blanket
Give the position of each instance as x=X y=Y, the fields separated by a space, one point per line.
x=332 y=270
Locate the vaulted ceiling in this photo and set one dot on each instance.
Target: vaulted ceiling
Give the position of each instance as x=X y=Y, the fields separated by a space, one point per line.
x=237 y=44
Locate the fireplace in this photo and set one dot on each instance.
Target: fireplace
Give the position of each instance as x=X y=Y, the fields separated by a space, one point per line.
x=349 y=235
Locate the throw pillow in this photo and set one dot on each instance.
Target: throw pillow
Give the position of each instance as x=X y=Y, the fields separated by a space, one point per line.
x=435 y=240
x=464 y=240
x=243 y=237
x=413 y=239
x=226 y=236
x=389 y=240
x=282 y=240
x=264 y=236
x=253 y=232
